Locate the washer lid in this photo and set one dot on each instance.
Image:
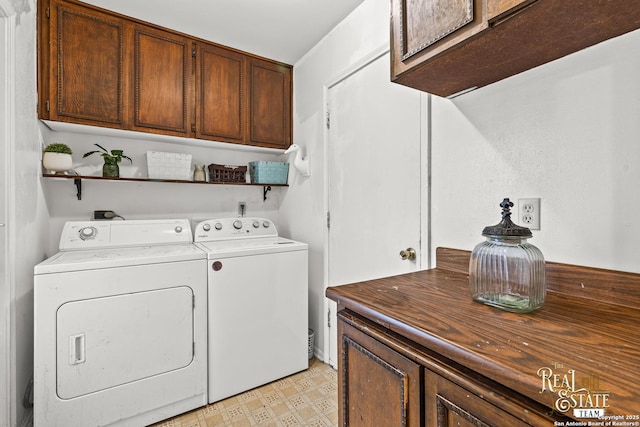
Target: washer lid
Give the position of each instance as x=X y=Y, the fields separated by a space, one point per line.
x=245 y=247
x=118 y=257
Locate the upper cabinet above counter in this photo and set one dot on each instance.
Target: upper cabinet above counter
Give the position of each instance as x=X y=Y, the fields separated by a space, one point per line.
x=100 y=68
x=448 y=47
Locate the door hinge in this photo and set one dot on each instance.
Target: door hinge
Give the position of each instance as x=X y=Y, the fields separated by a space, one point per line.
x=194 y=349
x=47 y=106
x=329 y=317
x=193 y=301
x=48 y=12
x=328 y=120
x=328 y=219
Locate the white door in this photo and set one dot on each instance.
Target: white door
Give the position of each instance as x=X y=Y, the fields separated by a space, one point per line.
x=377 y=179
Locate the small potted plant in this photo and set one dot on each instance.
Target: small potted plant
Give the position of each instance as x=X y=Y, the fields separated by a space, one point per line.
x=57 y=158
x=112 y=158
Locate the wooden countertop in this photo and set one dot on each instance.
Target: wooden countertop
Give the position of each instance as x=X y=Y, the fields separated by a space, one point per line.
x=589 y=324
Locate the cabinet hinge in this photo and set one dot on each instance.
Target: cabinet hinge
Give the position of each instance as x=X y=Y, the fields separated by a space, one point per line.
x=48 y=12
x=193 y=127
x=47 y=106
x=194 y=348
x=328 y=120
x=328 y=219
x=193 y=301
x=193 y=52
x=329 y=317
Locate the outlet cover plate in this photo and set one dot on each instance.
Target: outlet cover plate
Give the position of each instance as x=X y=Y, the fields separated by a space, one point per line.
x=529 y=213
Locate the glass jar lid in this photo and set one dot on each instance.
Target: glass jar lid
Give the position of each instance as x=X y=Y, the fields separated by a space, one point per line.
x=506 y=227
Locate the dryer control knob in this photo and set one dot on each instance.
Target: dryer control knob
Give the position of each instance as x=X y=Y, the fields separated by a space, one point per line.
x=237 y=224
x=218 y=226
x=256 y=224
x=266 y=224
x=88 y=233
x=178 y=229
x=206 y=226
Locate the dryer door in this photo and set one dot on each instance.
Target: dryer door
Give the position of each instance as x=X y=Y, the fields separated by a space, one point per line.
x=109 y=341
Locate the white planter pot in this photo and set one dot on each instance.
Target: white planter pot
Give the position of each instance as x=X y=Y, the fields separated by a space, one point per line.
x=57 y=162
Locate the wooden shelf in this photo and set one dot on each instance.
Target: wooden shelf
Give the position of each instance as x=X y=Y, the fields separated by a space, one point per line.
x=78 y=182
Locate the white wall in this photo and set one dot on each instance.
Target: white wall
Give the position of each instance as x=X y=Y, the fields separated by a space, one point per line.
x=567 y=132
x=143 y=200
x=28 y=231
x=303 y=209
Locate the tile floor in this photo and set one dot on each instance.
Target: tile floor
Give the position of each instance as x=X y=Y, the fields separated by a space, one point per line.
x=308 y=398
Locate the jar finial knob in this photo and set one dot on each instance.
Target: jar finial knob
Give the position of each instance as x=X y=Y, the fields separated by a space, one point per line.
x=506 y=206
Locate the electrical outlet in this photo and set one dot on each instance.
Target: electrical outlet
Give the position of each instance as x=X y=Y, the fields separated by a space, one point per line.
x=529 y=213
x=242 y=208
x=103 y=215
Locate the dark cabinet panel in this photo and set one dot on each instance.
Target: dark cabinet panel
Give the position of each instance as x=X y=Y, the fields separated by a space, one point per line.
x=162 y=82
x=220 y=94
x=380 y=387
x=270 y=99
x=89 y=68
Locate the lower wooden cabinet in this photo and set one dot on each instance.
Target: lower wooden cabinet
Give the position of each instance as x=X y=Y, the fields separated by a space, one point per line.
x=378 y=386
x=386 y=381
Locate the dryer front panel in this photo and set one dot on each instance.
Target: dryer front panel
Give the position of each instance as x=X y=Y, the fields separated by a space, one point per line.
x=94 y=354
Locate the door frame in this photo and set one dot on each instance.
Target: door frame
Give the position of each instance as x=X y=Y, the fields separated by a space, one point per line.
x=424 y=257
x=8 y=409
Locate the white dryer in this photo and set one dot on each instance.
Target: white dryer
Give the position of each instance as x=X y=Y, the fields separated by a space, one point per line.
x=120 y=325
x=258 y=304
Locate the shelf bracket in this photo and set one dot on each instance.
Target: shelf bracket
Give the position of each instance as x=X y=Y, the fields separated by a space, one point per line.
x=78 y=183
x=265 y=190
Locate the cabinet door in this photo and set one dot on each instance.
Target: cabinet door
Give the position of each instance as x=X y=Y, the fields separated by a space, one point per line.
x=84 y=70
x=422 y=29
x=378 y=386
x=220 y=94
x=270 y=91
x=163 y=82
x=448 y=405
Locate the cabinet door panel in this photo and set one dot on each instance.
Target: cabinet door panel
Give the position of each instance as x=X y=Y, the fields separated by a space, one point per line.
x=88 y=59
x=379 y=386
x=448 y=405
x=270 y=113
x=162 y=73
x=220 y=85
x=422 y=29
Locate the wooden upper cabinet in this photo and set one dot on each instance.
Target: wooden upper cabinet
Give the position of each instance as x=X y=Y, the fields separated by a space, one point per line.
x=220 y=94
x=447 y=47
x=270 y=91
x=86 y=53
x=162 y=74
x=100 y=68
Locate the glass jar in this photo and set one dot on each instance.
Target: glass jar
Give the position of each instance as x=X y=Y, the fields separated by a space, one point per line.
x=505 y=271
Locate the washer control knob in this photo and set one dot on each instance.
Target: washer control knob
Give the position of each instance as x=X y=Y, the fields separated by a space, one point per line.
x=178 y=229
x=88 y=233
x=237 y=224
x=266 y=224
x=218 y=226
x=256 y=224
x=206 y=226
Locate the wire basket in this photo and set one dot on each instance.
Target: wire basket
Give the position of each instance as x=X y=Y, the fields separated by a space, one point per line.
x=226 y=173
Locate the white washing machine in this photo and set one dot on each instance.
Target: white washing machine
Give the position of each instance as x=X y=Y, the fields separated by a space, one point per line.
x=120 y=325
x=258 y=304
